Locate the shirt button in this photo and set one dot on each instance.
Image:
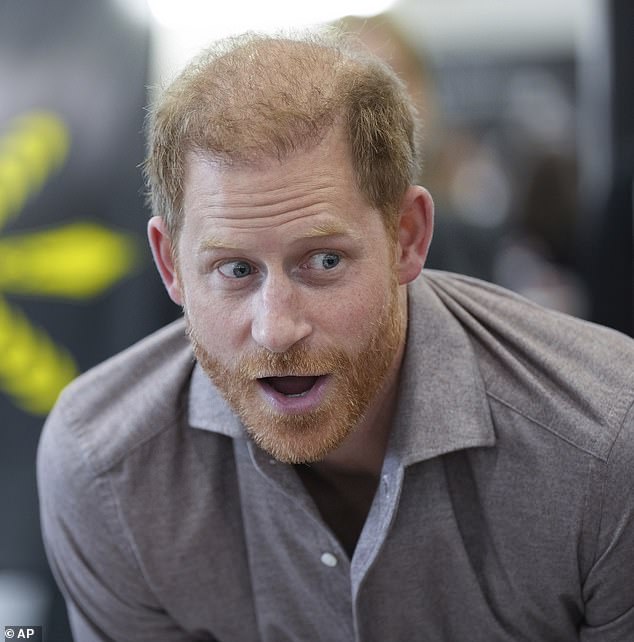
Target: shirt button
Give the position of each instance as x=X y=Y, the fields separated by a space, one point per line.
x=328 y=559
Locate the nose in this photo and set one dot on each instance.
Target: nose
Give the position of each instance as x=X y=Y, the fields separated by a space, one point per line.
x=279 y=319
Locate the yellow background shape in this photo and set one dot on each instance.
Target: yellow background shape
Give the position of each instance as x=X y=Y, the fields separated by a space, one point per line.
x=76 y=261
x=33 y=370
x=35 y=146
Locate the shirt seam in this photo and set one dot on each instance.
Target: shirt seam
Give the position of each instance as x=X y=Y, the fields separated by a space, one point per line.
x=604 y=483
x=125 y=532
x=110 y=504
x=113 y=504
x=590 y=521
x=548 y=428
x=98 y=469
x=628 y=408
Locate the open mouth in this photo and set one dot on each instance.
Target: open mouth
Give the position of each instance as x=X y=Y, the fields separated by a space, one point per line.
x=294 y=394
x=291 y=387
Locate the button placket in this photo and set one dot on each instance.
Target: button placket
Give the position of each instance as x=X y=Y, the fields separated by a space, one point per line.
x=385 y=484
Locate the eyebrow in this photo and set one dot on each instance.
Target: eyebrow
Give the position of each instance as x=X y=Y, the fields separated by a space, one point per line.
x=331 y=228
x=214 y=243
x=318 y=231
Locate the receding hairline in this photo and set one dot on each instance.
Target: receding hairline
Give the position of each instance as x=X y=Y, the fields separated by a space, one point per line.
x=269 y=96
x=272 y=72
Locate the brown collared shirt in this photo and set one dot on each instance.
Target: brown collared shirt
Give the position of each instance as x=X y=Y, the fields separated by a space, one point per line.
x=505 y=510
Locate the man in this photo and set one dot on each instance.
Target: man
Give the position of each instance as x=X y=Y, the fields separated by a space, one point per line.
x=328 y=447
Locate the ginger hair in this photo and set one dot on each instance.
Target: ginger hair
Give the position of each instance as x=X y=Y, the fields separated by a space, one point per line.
x=256 y=97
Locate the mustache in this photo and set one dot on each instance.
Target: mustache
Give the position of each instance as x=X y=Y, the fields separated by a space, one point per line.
x=297 y=361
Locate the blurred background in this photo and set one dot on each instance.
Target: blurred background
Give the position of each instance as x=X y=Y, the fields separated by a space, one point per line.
x=528 y=135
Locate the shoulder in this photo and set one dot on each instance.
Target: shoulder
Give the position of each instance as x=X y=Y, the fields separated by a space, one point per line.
x=570 y=376
x=121 y=403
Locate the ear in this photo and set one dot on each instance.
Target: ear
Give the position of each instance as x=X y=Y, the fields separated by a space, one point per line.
x=161 y=246
x=416 y=224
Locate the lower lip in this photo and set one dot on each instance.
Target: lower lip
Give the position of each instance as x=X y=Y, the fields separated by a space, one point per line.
x=296 y=405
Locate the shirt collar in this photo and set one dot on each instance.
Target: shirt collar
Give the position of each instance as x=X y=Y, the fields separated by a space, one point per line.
x=442 y=403
x=208 y=409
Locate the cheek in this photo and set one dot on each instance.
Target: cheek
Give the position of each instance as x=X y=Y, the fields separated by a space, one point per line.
x=351 y=316
x=222 y=328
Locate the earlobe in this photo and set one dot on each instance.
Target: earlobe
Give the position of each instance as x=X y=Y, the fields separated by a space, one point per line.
x=416 y=223
x=162 y=251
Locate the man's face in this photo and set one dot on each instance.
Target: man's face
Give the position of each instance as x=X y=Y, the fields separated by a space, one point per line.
x=290 y=291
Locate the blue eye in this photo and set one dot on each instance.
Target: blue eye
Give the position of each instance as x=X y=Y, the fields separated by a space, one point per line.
x=236 y=269
x=324 y=261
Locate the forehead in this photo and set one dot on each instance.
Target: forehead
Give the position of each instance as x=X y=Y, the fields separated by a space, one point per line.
x=329 y=157
x=318 y=185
